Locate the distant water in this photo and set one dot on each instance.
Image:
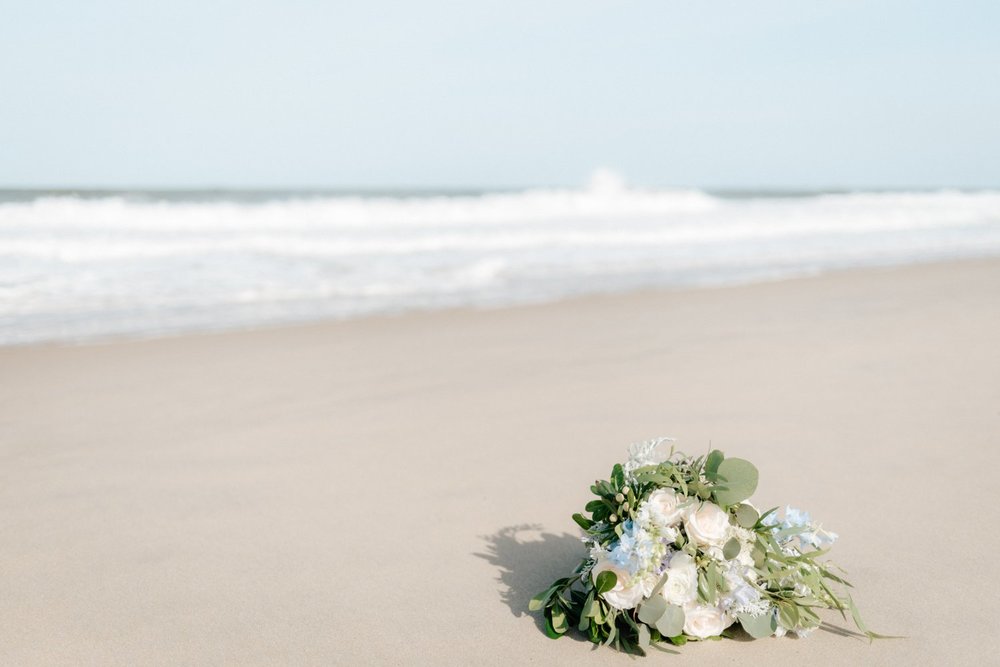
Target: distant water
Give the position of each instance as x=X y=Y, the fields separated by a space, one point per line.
x=77 y=266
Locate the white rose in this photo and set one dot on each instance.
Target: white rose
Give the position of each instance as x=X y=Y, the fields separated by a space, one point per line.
x=708 y=526
x=621 y=596
x=681 y=587
x=702 y=621
x=666 y=507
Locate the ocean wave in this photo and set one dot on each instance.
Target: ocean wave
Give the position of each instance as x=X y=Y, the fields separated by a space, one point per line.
x=77 y=267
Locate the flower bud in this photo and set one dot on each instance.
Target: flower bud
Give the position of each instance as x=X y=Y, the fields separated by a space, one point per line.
x=619 y=497
x=613 y=518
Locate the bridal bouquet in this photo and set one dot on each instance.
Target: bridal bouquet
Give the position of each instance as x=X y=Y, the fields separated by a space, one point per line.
x=678 y=553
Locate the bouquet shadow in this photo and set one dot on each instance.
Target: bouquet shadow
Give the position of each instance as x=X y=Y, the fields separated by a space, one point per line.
x=528 y=559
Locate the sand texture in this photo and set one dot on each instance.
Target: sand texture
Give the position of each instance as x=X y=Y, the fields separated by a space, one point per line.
x=394 y=490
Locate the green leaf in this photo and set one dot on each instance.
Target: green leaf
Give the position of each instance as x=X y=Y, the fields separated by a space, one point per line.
x=660 y=583
x=737 y=480
x=715 y=457
x=618 y=475
x=550 y=631
x=588 y=606
x=713 y=581
x=539 y=601
x=606 y=581
x=767 y=514
x=788 y=614
x=582 y=521
x=597 y=612
x=746 y=516
x=732 y=549
x=559 y=623
x=594 y=505
x=671 y=623
x=594 y=633
x=643 y=636
x=758 y=627
x=652 y=609
x=654 y=477
x=856 y=615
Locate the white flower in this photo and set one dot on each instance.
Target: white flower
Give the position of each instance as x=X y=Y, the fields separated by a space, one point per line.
x=669 y=535
x=702 y=621
x=666 y=507
x=645 y=454
x=708 y=526
x=742 y=597
x=628 y=591
x=747 y=539
x=681 y=587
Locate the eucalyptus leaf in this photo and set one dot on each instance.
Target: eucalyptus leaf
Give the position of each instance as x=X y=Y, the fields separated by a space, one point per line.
x=737 y=480
x=746 y=516
x=732 y=549
x=712 y=583
x=715 y=457
x=671 y=623
x=643 y=636
x=652 y=609
x=788 y=614
x=758 y=627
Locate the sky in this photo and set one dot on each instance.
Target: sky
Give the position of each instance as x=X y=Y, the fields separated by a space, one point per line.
x=494 y=94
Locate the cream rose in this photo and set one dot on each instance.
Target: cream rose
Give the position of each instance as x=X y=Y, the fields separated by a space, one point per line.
x=702 y=621
x=681 y=587
x=666 y=507
x=708 y=526
x=621 y=596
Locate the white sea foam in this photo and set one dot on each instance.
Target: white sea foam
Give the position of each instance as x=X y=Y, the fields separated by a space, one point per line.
x=74 y=268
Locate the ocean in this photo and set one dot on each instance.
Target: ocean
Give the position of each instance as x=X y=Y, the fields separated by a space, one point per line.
x=79 y=266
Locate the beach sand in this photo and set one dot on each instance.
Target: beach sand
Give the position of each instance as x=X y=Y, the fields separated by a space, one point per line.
x=394 y=490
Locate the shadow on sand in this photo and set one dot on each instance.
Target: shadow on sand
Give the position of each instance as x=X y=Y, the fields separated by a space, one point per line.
x=528 y=560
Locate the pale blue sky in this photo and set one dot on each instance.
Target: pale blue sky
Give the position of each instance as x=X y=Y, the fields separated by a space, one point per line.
x=499 y=93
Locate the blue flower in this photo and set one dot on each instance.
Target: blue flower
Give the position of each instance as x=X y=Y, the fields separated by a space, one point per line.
x=634 y=548
x=794 y=517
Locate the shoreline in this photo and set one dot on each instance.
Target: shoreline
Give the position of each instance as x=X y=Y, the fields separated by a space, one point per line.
x=395 y=490
x=450 y=311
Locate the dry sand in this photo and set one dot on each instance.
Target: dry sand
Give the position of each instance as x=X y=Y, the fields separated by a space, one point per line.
x=394 y=490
